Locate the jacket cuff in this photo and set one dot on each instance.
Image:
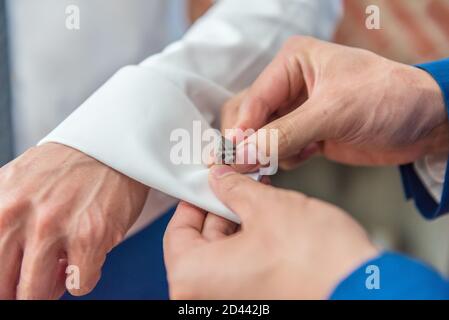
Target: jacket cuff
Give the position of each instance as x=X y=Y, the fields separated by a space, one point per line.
x=392 y=276
x=414 y=187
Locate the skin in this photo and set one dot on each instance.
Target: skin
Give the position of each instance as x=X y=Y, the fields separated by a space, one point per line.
x=351 y=105
x=289 y=246
x=59 y=207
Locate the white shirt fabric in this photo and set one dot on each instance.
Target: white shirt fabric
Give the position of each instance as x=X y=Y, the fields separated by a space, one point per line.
x=432 y=170
x=127 y=123
x=54 y=69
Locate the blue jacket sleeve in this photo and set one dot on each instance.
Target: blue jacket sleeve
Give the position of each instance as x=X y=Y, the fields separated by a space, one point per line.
x=392 y=277
x=414 y=188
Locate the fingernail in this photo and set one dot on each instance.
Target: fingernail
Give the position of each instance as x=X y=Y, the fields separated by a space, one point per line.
x=221 y=171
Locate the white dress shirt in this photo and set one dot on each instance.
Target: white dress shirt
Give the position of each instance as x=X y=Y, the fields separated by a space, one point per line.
x=126 y=124
x=55 y=69
x=432 y=170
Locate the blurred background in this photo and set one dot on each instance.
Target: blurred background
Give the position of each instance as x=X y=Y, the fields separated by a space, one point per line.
x=49 y=81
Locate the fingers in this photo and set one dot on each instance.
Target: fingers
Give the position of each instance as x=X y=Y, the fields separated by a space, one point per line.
x=284 y=138
x=184 y=229
x=216 y=227
x=39 y=274
x=279 y=86
x=229 y=113
x=85 y=264
x=242 y=195
x=60 y=286
x=296 y=160
x=11 y=259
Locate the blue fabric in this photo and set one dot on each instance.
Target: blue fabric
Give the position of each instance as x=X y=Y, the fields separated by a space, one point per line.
x=134 y=269
x=400 y=278
x=413 y=186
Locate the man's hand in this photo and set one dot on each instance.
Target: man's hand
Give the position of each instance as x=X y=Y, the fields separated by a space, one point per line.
x=289 y=246
x=352 y=105
x=58 y=207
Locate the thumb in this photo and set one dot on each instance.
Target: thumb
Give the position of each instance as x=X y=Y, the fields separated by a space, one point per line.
x=284 y=137
x=242 y=195
x=295 y=131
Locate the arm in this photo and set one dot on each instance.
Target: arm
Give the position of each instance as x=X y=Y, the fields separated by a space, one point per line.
x=427 y=181
x=399 y=277
x=73 y=209
x=222 y=53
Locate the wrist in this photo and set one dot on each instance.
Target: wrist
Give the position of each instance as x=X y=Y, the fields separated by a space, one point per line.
x=433 y=102
x=349 y=263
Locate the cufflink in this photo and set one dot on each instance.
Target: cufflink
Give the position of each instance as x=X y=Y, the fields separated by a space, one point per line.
x=225 y=152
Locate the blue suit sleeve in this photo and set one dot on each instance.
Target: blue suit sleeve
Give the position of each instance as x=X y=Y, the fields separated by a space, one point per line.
x=414 y=188
x=393 y=277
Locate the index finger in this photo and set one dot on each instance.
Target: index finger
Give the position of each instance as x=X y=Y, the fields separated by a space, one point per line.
x=279 y=85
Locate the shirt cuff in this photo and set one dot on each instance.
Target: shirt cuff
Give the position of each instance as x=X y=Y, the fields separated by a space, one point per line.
x=392 y=276
x=431 y=199
x=431 y=170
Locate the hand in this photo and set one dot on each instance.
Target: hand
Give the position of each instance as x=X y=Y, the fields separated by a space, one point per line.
x=289 y=246
x=58 y=207
x=352 y=105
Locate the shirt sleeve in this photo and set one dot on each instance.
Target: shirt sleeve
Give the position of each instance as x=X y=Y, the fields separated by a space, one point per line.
x=427 y=181
x=431 y=171
x=129 y=122
x=393 y=276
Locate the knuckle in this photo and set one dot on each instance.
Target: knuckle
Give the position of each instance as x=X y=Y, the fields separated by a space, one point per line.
x=10 y=209
x=284 y=133
x=48 y=216
x=46 y=223
x=5 y=220
x=293 y=42
x=231 y=185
